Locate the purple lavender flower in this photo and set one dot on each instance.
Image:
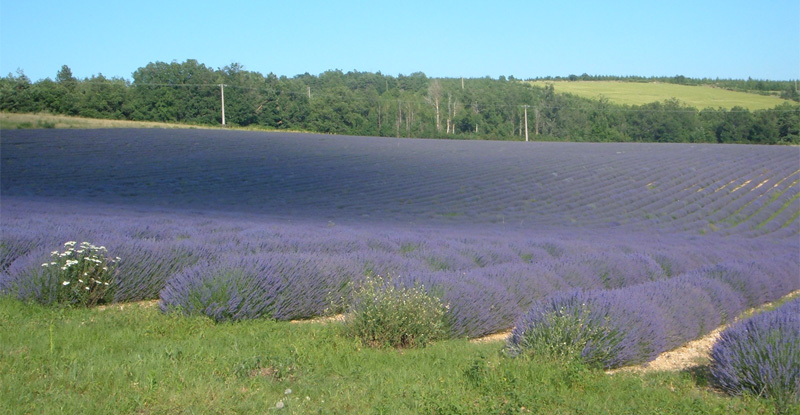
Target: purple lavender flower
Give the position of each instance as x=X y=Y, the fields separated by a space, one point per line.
x=761 y=355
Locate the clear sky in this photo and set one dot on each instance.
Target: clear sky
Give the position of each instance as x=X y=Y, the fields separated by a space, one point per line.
x=725 y=39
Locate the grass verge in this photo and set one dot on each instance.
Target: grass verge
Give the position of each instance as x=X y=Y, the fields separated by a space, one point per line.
x=137 y=360
x=13 y=121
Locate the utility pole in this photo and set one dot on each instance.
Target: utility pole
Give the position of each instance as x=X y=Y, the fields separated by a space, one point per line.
x=309 y=92
x=526 y=122
x=222 y=94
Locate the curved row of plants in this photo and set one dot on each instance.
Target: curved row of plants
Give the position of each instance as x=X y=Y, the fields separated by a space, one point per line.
x=761 y=356
x=231 y=270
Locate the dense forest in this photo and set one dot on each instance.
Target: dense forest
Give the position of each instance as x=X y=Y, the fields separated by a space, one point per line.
x=374 y=104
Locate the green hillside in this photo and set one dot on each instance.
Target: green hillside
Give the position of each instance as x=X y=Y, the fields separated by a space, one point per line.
x=636 y=93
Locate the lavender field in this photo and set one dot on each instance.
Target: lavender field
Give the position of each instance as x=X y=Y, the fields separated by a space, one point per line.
x=683 y=236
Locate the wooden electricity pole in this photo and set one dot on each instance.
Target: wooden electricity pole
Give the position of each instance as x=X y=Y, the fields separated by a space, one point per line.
x=222 y=95
x=526 y=122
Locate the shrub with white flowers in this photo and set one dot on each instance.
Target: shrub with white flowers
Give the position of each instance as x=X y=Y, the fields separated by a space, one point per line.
x=84 y=274
x=385 y=314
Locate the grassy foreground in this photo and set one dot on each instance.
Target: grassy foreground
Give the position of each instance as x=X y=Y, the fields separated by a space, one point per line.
x=637 y=93
x=134 y=359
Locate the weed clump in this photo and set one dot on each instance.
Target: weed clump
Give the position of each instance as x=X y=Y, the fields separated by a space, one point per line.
x=383 y=313
x=80 y=275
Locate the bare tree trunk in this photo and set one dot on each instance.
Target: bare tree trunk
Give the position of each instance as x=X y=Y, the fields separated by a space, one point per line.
x=409 y=118
x=380 y=107
x=434 y=97
x=449 y=111
x=399 y=118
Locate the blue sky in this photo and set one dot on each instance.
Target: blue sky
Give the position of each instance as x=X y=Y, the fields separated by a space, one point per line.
x=725 y=39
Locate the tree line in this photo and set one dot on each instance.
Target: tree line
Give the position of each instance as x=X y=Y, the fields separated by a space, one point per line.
x=374 y=104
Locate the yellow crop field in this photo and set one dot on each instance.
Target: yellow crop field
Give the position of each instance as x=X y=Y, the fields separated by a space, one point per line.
x=635 y=93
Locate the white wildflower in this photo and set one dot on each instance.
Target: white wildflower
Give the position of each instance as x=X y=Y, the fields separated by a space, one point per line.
x=279 y=405
x=86 y=288
x=65 y=283
x=287 y=392
x=45 y=264
x=80 y=281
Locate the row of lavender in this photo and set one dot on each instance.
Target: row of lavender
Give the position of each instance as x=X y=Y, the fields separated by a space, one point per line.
x=752 y=190
x=242 y=268
x=631 y=325
x=761 y=356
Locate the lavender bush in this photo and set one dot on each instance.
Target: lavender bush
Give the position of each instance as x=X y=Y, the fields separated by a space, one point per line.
x=761 y=356
x=283 y=287
x=147 y=265
x=598 y=328
x=234 y=289
x=630 y=325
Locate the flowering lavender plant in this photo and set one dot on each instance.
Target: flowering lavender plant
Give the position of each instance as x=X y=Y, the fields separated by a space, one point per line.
x=233 y=289
x=761 y=355
x=81 y=275
x=573 y=326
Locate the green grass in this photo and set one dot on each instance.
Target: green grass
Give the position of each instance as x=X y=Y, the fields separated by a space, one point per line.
x=13 y=121
x=636 y=93
x=138 y=360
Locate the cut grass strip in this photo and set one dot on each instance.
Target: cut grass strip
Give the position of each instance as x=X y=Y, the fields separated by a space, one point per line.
x=138 y=360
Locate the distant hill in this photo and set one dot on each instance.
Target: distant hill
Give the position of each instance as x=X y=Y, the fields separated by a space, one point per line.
x=638 y=93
